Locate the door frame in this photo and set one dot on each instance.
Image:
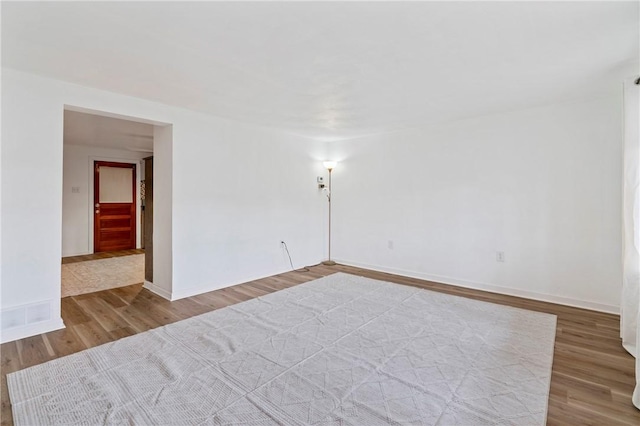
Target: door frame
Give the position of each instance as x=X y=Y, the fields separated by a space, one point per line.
x=133 y=210
x=163 y=170
x=91 y=194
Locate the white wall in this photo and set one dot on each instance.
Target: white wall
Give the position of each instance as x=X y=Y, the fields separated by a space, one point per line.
x=77 y=208
x=237 y=191
x=541 y=185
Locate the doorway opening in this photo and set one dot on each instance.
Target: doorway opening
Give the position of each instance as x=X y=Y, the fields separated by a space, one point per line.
x=103 y=218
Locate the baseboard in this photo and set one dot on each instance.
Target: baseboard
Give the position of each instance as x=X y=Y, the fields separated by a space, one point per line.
x=560 y=300
x=82 y=253
x=194 y=291
x=157 y=290
x=29 y=330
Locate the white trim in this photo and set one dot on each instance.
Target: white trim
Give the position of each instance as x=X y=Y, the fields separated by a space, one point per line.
x=567 y=301
x=194 y=291
x=157 y=290
x=29 y=330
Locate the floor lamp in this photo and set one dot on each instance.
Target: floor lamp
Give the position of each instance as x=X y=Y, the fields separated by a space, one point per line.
x=330 y=165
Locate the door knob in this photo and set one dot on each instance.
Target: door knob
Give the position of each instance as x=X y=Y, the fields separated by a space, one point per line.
x=97 y=204
x=97 y=211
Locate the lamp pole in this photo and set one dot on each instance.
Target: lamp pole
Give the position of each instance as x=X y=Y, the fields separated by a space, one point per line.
x=329 y=262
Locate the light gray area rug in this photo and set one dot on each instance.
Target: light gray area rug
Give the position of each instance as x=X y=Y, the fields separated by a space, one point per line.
x=101 y=274
x=340 y=350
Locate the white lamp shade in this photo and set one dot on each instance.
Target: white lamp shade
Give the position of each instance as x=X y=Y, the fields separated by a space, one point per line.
x=329 y=165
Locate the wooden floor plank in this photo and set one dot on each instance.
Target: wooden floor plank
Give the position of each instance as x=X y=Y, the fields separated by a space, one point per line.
x=139 y=319
x=92 y=334
x=65 y=342
x=101 y=255
x=103 y=313
x=72 y=313
x=32 y=351
x=111 y=298
x=591 y=383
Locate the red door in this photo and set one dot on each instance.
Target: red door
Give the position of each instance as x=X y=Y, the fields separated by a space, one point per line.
x=114 y=206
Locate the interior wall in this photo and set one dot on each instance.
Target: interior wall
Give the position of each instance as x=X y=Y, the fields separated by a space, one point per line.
x=162 y=213
x=31 y=208
x=77 y=207
x=237 y=191
x=543 y=186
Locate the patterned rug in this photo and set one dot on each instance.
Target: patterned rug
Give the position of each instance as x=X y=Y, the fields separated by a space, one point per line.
x=340 y=350
x=102 y=274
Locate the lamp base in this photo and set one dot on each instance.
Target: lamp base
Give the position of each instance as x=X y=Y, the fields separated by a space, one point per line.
x=329 y=263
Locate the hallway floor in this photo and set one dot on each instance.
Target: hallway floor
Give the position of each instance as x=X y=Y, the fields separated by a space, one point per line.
x=101 y=271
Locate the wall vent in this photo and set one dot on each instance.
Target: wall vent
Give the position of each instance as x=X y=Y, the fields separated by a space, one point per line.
x=12 y=318
x=38 y=313
x=21 y=316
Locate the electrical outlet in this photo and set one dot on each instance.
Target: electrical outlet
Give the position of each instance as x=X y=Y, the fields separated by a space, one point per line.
x=499 y=256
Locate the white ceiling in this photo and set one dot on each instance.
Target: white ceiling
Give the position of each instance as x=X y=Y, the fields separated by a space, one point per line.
x=106 y=132
x=331 y=70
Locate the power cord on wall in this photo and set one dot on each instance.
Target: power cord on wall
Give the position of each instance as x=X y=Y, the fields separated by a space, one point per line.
x=305 y=269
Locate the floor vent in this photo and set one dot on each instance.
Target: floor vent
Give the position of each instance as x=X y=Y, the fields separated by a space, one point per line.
x=25 y=315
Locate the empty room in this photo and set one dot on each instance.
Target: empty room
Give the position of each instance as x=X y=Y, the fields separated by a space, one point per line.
x=320 y=213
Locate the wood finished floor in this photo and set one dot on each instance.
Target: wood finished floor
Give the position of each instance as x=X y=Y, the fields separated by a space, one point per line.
x=591 y=383
x=100 y=255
